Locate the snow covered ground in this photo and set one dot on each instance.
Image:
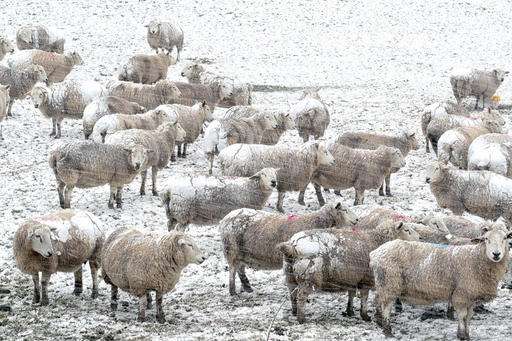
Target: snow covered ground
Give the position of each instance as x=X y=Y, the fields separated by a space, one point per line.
x=378 y=62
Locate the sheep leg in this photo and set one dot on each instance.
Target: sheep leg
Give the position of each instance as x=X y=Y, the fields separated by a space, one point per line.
x=9 y=112
x=280 y=197
x=232 y=278
x=113 y=191
x=462 y=328
x=78 y=282
x=179 y=149
x=54 y=127
x=67 y=195
x=58 y=124
x=160 y=317
x=94 y=265
x=427 y=144
x=1 y=133
x=300 y=200
x=388 y=185
x=37 y=288
x=386 y=318
x=184 y=154
x=359 y=197
x=303 y=292
x=149 y=300
x=364 y=305
x=381 y=189
x=243 y=278
x=113 y=297
x=60 y=190
x=143 y=176
x=210 y=161
x=450 y=312
x=119 y=197
x=319 y=195
x=350 y=303
x=143 y=301
x=154 y=173
x=477 y=99
x=293 y=299
x=45 y=278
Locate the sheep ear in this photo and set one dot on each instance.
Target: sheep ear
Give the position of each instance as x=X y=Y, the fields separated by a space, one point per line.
x=182 y=242
x=495 y=72
x=484 y=229
x=255 y=177
x=509 y=236
x=477 y=240
x=203 y=104
x=338 y=206
x=400 y=225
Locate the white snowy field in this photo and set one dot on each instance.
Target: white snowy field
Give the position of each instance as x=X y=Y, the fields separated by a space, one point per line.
x=378 y=62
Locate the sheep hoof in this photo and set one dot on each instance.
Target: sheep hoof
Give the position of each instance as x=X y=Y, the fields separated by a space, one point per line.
x=141 y=319
x=301 y=202
x=481 y=309
x=119 y=205
x=381 y=193
x=142 y=193
x=155 y=193
x=349 y=313
x=94 y=294
x=44 y=301
x=248 y=289
x=36 y=299
x=301 y=320
x=160 y=318
x=389 y=195
x=77 y=291
x=366 y=317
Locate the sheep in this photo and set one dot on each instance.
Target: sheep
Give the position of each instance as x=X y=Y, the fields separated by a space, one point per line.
x=479 y=83
x=405 y=142
x=213 y=94
x=86 y=164
x=64 y=100
x=491 y=152
x=4 y=105
x=59 y=242
x=296 y=164
x=21 y=81
x=241 y=92
x=104 y=106
x=423 y=273
x=39 y=37
x=57 y=66
x=5 y=47
x=203 y=200
x=311 y=115
x=457 y=226
x=335 y=260
x=165 y=35
x=139 y=262
x=483 y=193
x=111 y=123
x=443 y=121
x=250 y=237
x=148 y=96
x=376 y=216
x=146 y=69
x=161 y=141
x=359 y=168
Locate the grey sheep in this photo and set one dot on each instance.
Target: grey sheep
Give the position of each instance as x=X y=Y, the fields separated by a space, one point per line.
x=148 y=96
x=250 y=237
x=335 y=260
x=311 y=115
x=424 y=273
x=491 y=152
x=457 y=226
x=64 y=100
x=59 y=242
x=21 y=81
x=296 y=164
x=104 y=106
x=166 y=36
x=5 y=47
x=4 y=105
x=146 y=69
x=86 y=164
x=405 y=142
x=206 y=200
x=213 y=94
x=39 y=37
x=141 y=262
x=160 y=141
x=479 y=83
x=57 y=66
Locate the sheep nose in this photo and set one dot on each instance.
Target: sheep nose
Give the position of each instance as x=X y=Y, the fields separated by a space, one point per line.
x=427 y=180
x=137 y=165
x=36 y=106
x=273 y=183
x=182 y=74
x=496 y=255
x=50 y=254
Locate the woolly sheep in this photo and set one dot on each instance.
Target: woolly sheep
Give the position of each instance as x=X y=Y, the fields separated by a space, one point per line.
x=104 y=106
x=57 y=66
x=161 y=141
x=146 y=69
x=424 y=273
x=335 y=260
x=86 y=164
x=213 y=94
x=5 y=47
x=405 y=142
x=296 y=164
x=250 y=237
x=39 y=37
x=165 y=35
x=4 y=105
x=311 y=115
x=148 y=96
x=64 y=100
x=479 y=83
x=457 y=226
x=359 y=168
x=202 y=200
x=491 y=152
x=59 y=242
x=21 y=81
x=111 y=123
x=138 y=263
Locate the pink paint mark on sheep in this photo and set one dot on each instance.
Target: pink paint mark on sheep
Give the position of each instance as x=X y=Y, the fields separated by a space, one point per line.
x=400 y=217
x=292 y=217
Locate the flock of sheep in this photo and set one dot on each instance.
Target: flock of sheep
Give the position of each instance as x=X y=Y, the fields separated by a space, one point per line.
x=144 y=121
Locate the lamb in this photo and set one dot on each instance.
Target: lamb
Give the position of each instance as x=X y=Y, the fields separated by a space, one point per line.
x=335 y=260
x=64 y=100
x=479 y=83
x=213 y=94
x=161 y=141
x=4 y=105
x=146 y=69
x=296 y=164
x=482 y=193
x=491 y=152
x=165 y=35
x=311 y=115
x=5 y=47
x=39 y=37
x=250 y=237
x=359 y=168
x=86 y=164
x=148 y=96
x=203 y=200
x=138 y=263
x=59 y=242
x=405 y=142
x=424 y=273
x=57 y=66
x=457 y=226
x=111 y=123
x=21 y=81
x=104 y=106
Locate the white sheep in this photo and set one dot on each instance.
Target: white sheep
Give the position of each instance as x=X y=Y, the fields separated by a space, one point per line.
x=149 y=96
x=146 y=69
x=5 y=47
x=4 y=105
x=165 y=35
x=311 y=115
x=491 y=152
x=39 y=37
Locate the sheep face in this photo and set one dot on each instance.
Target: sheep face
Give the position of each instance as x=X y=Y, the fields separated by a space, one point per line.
x=169 y=90
x=267 y=178
x=500 y=75
x=225 y=90
x=6 y=46
x=37 y=73
x=496 y=238
x=192 y=71
x=436 y=172
x=138 y=157
x=206 y=111
x=412 y=141
x=312 y=93
x=154 y=28
x=269 y=121
x=41 y=241
x=191 y=252
x=342 y=215
x=285 y=121
x=180 y=132
x=397 y=159
x=493 y=121
x=323 y=155
x=405 y=231
x=40 y=94
x=4 y=92
x=75 y=58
